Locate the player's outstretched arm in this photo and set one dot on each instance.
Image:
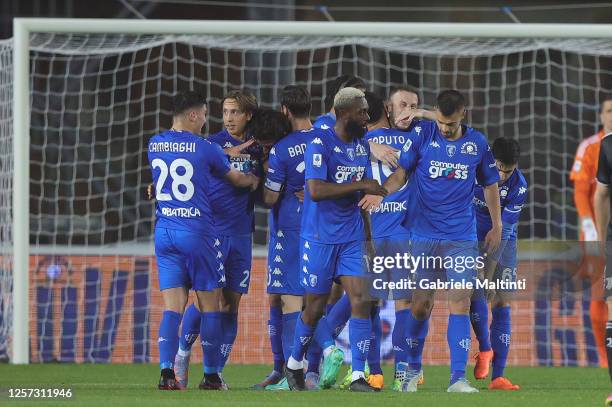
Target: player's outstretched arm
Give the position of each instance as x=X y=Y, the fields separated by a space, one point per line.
x=493 y=237
x=320 y=190
x=396 y=180
x=242 y=180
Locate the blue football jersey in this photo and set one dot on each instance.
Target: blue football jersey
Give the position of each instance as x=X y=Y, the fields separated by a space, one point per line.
x=286 y=171
x=444 y=178
x=331 y=160
x=184 y=166
x=233 y=206
x=325 y=121
x=387 y=219
x=512 y=196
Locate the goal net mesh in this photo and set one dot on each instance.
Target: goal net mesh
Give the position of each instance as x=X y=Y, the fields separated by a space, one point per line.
x=96 y=100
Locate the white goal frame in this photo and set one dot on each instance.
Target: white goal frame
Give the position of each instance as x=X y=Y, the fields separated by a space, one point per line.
x=23 y=27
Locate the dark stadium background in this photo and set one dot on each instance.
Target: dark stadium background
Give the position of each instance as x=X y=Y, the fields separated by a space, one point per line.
x=135 y=223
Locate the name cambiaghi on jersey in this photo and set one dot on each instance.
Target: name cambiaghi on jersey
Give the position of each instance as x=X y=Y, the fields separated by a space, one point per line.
x=233 y=207
x=187 y=246
x=500 y=267
x=445 y=159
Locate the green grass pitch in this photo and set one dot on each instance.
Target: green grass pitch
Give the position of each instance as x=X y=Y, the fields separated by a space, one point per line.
x=136 y=385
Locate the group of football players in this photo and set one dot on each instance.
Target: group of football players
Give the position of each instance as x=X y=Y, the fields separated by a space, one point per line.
x=369 y=178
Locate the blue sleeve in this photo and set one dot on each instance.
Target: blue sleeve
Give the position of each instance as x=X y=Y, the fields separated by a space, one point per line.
x=514 y=204
x=409 y=155
x=219 y=164
x=315 y=158
x=486 y=172
x=277 y=172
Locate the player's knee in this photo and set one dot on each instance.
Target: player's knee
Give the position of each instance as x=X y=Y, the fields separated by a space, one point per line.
x=275 y=300
x=422 y=309
x=461 y=306
x=312 y=314
x=360 y=304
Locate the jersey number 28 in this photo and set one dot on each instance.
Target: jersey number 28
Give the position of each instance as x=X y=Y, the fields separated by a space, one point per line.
x=177 y=179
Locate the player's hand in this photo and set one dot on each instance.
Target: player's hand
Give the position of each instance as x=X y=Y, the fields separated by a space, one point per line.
x=387 y=155
x=149 y=192
x=254 y=181
x=406 y=116
x=493 y=239
x=236 y=151
x=299 y=195
x=370 y=202
x=589 y=230
x=372 y=187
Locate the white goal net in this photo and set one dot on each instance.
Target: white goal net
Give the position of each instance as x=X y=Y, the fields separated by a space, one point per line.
x=97 y=98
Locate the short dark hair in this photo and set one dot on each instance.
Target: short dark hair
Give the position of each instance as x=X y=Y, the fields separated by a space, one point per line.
x=297 y=100
x=404 y=88
x=247 y=102
x=376 y=106
x=506 y=150
x=450 y=101
x=268 y=124
x=184 y=101
x=342 y=81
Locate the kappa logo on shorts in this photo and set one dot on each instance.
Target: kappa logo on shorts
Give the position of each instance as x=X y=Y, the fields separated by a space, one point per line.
x=277 y=271
x=313 y=280
x=217 y=243
x=305 y=257
x=305 y=269
x=277 y=284
x=306 y=245
x=278 y=259
x=222 y=279
x=219 y=255
x=280 y=234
